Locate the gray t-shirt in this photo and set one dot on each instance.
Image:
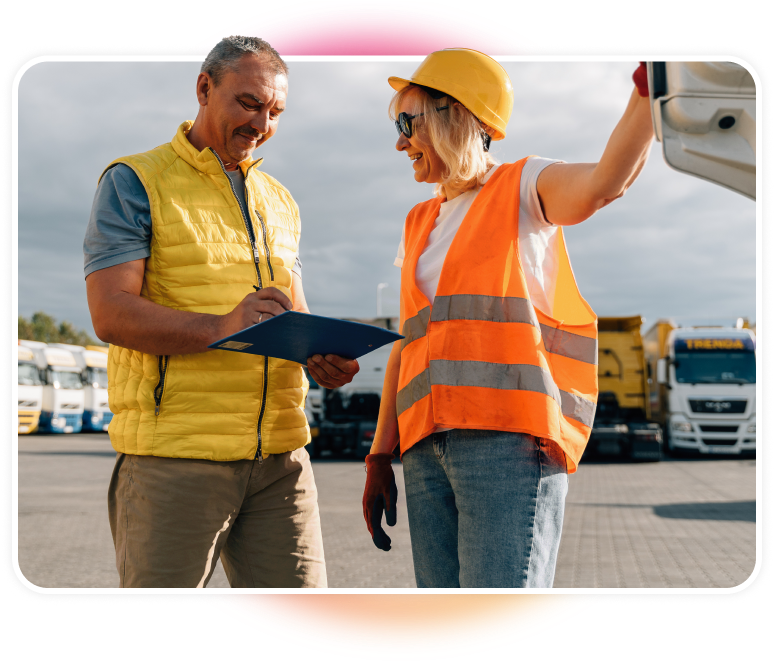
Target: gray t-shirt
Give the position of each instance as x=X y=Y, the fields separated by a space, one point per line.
x=119 y=228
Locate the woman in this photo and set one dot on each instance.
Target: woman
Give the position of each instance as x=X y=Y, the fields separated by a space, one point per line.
x=492 y=393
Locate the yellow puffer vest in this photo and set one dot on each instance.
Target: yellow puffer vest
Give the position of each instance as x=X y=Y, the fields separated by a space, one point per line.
x=217 y=405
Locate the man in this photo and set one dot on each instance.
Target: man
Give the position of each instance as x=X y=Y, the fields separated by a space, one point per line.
x=187 y=244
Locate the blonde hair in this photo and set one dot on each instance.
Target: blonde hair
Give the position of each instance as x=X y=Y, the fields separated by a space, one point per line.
x=455 y=134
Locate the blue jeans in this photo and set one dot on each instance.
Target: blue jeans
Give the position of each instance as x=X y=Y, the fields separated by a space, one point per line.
x=485 y=509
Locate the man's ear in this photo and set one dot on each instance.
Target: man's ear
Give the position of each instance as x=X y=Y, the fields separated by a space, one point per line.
x=203 y=88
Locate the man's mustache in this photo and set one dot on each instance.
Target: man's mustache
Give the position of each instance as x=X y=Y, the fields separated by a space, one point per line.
x=248 y=131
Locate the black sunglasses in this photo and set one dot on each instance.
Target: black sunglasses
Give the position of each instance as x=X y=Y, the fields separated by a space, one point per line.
x=403 y=122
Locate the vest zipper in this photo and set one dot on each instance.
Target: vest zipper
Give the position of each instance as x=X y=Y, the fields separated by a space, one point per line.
x=256 y=260
x=265 y=243
x=248 y=225
x=158 y=391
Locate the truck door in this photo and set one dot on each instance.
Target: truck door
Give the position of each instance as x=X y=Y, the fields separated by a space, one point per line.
x=704 y=117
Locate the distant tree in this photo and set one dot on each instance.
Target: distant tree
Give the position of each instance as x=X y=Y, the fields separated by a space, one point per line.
x=42 y=327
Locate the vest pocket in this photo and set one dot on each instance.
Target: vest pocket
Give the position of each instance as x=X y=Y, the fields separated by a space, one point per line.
x=158 y=391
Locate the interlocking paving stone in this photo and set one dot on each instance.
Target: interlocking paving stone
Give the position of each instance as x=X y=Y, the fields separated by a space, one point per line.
x=677 y=523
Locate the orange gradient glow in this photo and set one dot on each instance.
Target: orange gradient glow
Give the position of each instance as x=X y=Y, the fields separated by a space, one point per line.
x=402 y=626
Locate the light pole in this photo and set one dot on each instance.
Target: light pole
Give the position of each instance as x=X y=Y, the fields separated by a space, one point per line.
x=379 y=289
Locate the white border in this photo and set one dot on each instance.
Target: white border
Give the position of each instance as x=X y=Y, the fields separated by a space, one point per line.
x=338 y=591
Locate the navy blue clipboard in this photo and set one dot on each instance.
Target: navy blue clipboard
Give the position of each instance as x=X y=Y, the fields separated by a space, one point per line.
x=297 y=336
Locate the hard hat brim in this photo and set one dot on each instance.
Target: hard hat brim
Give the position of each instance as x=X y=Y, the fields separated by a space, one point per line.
x=398 y=83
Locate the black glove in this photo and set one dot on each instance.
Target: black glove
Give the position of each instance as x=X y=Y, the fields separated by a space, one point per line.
x=380 y=496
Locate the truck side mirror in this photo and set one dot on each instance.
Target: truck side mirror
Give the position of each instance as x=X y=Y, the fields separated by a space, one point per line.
x=662 y=376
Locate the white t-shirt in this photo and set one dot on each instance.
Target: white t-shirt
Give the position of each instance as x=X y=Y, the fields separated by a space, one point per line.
x=537 y=239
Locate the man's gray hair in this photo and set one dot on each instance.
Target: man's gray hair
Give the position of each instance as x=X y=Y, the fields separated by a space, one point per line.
x=227 y=53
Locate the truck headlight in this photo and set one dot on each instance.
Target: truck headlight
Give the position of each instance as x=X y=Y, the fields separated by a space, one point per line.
x=751 y=428
x=681 y=426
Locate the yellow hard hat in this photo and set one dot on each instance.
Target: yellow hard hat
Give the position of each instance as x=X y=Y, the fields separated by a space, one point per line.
x=477 y=81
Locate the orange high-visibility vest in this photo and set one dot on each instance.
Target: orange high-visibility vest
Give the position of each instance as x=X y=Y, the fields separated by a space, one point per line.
x=482 y=356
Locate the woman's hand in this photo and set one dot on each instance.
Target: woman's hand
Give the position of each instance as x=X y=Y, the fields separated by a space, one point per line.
x=380 y=492
x=380 y=495
x=571 y=193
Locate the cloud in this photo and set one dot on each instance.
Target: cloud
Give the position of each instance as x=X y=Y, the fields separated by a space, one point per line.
x=673 y=246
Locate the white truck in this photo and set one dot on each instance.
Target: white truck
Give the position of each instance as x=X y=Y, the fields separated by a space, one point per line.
x=30 y=396
x=63 y=395
x=92 y=361
x=349 y=414
x=703 y=392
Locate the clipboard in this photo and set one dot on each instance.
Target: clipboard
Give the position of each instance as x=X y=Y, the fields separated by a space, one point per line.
x=297 y=336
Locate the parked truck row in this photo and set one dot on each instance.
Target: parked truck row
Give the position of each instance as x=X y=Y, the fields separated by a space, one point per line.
x=62 y=388
x=673 y=388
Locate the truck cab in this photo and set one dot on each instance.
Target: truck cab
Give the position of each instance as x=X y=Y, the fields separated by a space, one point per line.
x=30 y=396
x=63 y=395
x=707 y=390
x=92 y=361
x=349 y=414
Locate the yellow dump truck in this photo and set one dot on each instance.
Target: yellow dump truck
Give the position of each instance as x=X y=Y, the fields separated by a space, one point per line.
x=622 y=424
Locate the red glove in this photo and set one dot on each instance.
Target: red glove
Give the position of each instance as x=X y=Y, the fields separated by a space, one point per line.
x=380 y=495
x=640 y=78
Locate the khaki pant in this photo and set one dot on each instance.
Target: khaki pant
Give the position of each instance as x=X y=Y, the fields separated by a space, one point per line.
x=172 y=519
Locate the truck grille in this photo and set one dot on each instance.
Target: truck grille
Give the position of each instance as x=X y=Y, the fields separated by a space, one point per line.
x=718 y=406
x=719 y=441
x=71 y=420
x=728 y=429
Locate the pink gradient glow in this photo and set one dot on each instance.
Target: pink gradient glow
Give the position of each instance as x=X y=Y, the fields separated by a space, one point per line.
x=376 y=28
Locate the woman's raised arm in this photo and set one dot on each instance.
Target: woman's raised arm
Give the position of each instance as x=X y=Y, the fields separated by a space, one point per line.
x=571 y=193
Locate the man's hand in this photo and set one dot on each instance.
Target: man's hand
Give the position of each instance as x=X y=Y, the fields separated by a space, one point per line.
x=332 y=371
x=256 y=307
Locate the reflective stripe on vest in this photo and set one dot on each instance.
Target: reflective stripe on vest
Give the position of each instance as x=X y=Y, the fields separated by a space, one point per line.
x=482 y=347
x=467 y=373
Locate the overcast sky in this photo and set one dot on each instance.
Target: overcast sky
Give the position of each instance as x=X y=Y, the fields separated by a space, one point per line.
x=674 y=246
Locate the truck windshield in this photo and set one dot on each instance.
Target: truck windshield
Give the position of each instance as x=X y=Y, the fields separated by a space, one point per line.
x=28 y=374
x=98 y=377
x=68 y=380
x=715 y=367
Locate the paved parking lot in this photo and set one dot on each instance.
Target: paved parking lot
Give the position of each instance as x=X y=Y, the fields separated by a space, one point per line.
x=677 y=523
